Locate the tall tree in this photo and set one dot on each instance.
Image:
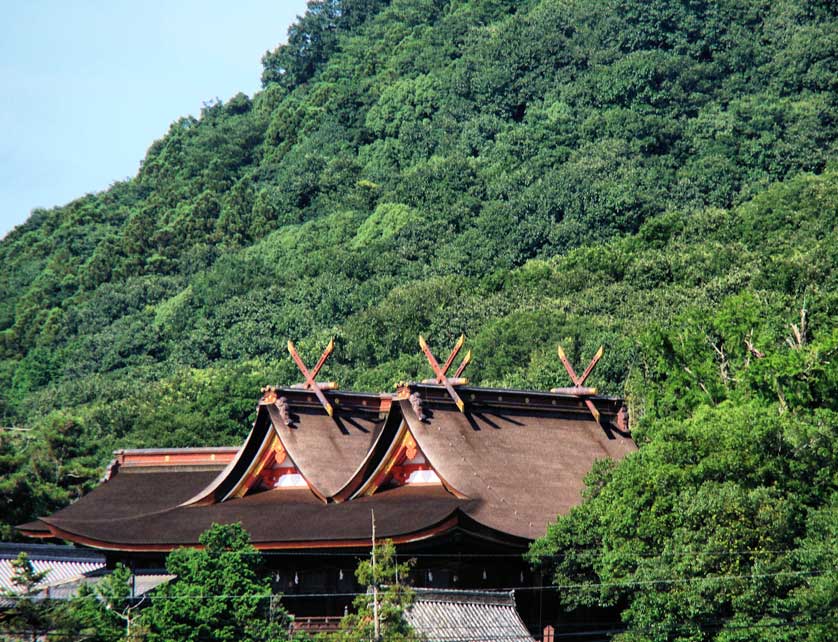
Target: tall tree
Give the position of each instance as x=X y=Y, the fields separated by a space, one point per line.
x=723 y=525
x=380 y=612
x=218 y=595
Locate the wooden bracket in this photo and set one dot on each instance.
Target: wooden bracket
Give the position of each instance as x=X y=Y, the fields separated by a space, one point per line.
x=441 y=372
x=579 y=380
x=310 y=383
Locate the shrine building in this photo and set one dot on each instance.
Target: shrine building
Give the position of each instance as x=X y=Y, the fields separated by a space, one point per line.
x=461 y=478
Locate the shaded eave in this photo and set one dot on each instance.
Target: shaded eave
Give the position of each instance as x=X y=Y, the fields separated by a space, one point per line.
x=447 y=525
x=346 y=399
x=265 y=428
x=35 y=529
x=378 y=454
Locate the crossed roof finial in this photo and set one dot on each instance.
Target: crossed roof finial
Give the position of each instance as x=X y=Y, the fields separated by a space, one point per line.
x=310 y=383
x=441 y=372
x=578 y=387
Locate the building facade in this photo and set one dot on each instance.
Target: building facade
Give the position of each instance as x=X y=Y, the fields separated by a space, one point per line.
x=461 y=480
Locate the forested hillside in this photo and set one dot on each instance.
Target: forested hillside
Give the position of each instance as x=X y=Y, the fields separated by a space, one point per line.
x=659 y=177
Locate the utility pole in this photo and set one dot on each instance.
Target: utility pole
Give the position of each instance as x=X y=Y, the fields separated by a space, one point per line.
x=375 y=619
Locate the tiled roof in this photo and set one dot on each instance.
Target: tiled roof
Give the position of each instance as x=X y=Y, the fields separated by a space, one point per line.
x=141 y=583
x=63 y=563
x=69 y=568
x=467 y=616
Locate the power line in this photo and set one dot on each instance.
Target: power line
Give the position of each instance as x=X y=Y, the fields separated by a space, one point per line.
x=671 y=580
x=583 y=549
x=491 y=555
x=685 y=552
x=608 y=633
x=548 y=587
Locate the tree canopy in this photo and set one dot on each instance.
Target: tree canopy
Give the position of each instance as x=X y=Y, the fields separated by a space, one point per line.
x=659 y=177
x=217 y=595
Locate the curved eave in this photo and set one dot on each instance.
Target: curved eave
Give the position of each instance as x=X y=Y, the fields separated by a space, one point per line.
x=273 y=418
x=233 y=474
x=444 y=526
x=369 y=485
x=233 y=478
x=379 y=452
x=414 y=425
x=36 y=529
x=332 y=452
x=477 y=529
x=270 y=424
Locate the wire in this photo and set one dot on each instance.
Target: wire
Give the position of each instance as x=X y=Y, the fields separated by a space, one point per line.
x=685 y=552
x=549 y=587
x=608 y=633
x=671 y=580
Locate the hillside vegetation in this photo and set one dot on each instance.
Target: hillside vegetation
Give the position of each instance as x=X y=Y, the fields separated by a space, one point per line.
x=655 y=176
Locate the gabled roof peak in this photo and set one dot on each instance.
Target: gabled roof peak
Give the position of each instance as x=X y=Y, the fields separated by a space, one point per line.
x=339 y=399
x=492 y=462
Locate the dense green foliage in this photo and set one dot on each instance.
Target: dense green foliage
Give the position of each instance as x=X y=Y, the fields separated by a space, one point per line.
x=659 y=177
x=725 y=520
x=217 y=595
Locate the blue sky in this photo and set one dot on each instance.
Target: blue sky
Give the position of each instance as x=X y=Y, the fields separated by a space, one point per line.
x=86 y=86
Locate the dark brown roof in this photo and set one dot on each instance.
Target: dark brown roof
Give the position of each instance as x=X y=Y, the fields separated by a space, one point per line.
x=524 y=454
x=281 y=517
x=511 y=463
x=129 y=494
x=328 y=450
x=34 y=528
